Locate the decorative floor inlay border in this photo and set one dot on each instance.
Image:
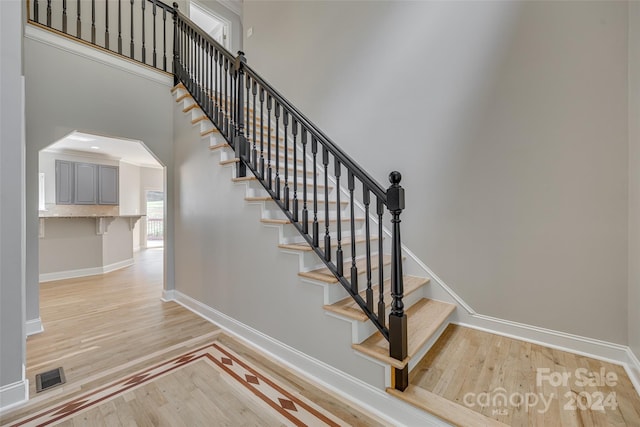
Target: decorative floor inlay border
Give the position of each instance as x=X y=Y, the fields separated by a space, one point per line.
x=290 y=406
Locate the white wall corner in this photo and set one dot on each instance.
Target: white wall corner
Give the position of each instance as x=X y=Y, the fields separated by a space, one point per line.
x=376 y=401
x=33 y=327
x=168 y=295
x=13 y=395
x=633 y=369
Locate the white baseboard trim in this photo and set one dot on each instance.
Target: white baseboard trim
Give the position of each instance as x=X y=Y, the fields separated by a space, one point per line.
x=377 y=402
x=34 y=326
x=117 y=265
x=13 y=395
x=83 y=272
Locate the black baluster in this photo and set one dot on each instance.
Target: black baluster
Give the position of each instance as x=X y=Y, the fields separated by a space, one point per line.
x=254 y=91
x=316 y=226
x=261 y=133
x=78 y=23
x=381 y=305
x=219 y=89
x=131 y=45
x=294 y=131
x=354 y=268
x=251 y=152
x=93 y=21
x=398 y=343
x=305 y=212
x=216 y=111
x=277 y=114
x=286 y=160
x=232 y=100
x=106 y=24
x=241 y=146
x=177 y=37
x=226 y=98
x=64 y=16
x=339 y=254
x=269 y=170
x=211 y=98
x=366 y=199
x=144 y=48
x=198 y=57
x=153 y=12
x=48 y=13
x=327 y=237
x=164 y=39
x=120 y=27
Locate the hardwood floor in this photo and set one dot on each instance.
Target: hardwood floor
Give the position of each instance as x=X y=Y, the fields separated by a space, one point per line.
x=103 y=328
x=542 y=386
x=93 y=324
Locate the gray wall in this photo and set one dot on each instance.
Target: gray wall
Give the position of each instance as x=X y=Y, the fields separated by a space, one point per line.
x=129 y=189
x=66 y=92
x=70 y=244
x=634 y=177
x=12 y=256
x=508 y=121
x=117 y=243
x=227 y=259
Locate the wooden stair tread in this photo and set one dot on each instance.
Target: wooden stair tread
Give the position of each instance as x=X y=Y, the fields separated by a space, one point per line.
x=443 y=408
x=209 y=132
x=287 y=221
x=423 y=320
x=219 y=145
x=300 y=184
x=309 y=202
x=199 y=119
x=190 y=107
x=325 y=275
x=349 y=308
x=183 y=97
x=305 y=247
x=178 y=86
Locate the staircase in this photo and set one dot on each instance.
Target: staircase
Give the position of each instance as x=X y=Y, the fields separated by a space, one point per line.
x=427 y=318
x=343 y=226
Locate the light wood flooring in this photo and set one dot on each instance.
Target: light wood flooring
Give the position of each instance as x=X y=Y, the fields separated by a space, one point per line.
x=103 y=328
x=543 y=386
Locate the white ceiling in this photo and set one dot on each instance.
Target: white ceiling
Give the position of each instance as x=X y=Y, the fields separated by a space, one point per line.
x=127 y=150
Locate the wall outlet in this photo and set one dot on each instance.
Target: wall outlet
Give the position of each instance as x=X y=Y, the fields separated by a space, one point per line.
x=249 y=32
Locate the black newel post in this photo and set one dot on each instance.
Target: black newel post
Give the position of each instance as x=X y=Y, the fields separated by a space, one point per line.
x=176 y=79
x=397 y=318
x=240 y=143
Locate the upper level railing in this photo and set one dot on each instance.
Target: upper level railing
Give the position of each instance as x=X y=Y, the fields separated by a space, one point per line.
x=140 y=30
x=292 y=158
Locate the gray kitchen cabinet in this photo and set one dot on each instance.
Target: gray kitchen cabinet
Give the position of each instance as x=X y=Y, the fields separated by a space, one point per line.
x=86 y=184
x=107 y=185
x=64 y=182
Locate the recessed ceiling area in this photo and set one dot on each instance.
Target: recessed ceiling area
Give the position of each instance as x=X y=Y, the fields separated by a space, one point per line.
x=127 y=150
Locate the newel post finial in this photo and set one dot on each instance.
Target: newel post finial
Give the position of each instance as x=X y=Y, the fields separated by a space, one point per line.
x=398 y=344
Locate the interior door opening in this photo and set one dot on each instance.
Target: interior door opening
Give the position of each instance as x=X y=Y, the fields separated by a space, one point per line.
x=155 y=219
